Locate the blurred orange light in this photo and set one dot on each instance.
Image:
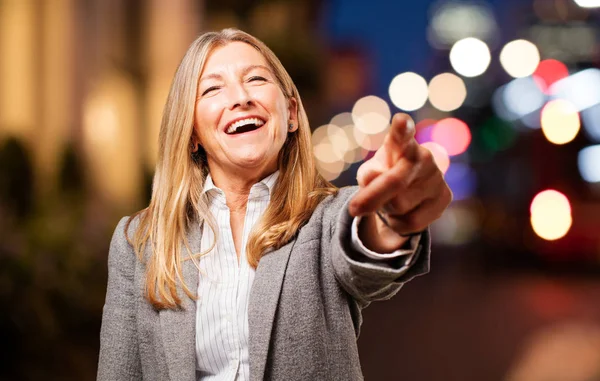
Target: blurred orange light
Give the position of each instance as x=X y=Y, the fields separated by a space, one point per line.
x=550 y=215
x=560 y=121
x=452 y=134
x=549 y=72
x=447 y=92
x=442 y=160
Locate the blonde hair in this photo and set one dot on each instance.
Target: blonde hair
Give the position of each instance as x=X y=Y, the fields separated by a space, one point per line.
x=177 y=204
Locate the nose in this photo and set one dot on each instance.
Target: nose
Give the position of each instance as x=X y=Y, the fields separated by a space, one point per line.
x=239 y=97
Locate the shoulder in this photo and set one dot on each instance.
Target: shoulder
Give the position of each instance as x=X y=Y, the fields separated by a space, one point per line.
x=329 y=212
x=121 y=248
x=332 y=205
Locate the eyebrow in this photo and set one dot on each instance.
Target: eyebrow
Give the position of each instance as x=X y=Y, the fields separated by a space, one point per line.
x=245 y=71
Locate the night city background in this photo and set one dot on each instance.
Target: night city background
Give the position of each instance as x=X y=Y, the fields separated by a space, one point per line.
x=505 y=93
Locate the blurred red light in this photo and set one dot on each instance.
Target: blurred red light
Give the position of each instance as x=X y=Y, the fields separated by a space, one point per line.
x=548 y=72
x=423 y=130
x=452 y=134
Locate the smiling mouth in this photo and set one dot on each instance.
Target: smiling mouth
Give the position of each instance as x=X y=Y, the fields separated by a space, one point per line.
x=244 y=125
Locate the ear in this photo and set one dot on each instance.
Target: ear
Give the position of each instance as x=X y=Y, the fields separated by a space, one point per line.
x=293 y=113
x=194 y=144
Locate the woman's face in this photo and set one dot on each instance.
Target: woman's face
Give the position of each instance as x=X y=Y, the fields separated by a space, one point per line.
x=241 y=115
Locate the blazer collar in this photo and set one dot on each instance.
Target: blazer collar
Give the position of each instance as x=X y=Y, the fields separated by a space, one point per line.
x=264 y=299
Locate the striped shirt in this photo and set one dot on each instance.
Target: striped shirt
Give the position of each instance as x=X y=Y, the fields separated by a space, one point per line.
x=224 y=288
x=224 y=285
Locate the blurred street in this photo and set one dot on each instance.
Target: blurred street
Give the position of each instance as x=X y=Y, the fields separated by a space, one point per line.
x=504 y=93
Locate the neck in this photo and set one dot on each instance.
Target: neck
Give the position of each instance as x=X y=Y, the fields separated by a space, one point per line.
x=236 y=187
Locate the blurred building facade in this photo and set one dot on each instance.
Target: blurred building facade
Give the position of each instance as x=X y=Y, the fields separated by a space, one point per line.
x=92 y=75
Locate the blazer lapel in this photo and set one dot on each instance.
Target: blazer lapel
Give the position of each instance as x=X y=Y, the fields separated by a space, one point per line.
x=178 y=327
x=264 y=299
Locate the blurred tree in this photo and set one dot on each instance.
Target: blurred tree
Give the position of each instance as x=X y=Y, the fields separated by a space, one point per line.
x=16 y=179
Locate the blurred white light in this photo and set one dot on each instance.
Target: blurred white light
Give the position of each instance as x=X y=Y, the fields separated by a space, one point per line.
x=342 y=119
x=330 y=171
x=440 y=155
x=591 y=122
x=453 y=21
x=408 y=91
x=522 y=96
x=500 y=107
x=588 y=3
x=519 y=58
x=470 y=57
x=447 y=92
x=355 y=152
x=582 y=89
x=330 y=143
x=101 y=120
x=550 y=215
x=370 y=142
x=371 y=114
x=588 y=161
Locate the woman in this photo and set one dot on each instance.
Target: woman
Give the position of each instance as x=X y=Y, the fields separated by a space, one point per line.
x=247 y=264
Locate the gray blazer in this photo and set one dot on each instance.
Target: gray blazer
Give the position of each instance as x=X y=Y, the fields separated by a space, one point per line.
x=304 y=314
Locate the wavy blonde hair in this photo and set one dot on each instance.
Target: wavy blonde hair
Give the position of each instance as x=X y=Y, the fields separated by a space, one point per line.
x=177 y=204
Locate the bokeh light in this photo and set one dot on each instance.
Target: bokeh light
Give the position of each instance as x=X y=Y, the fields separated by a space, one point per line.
x=550 y=215
x=495 y=135
x=470 y=57
x=462 y=181
x=408 y=91
x=582 y=89
x=342 y=119
x=588 y=161
x=453 y=134
x=423 y=130
x=442 y=160
x=522 y=96
x=331 y=145
x=370 y=142
x=371 y=114
x=500 y=107
x=452 y=21
x=560 y=121
x=355 y=152
x=519 y=58
x=447 y=92
x=458 y=225
x=549 y=72
x=591 y=122
x=588 y=3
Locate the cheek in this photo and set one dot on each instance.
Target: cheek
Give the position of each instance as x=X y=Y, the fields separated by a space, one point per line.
x=205 y=119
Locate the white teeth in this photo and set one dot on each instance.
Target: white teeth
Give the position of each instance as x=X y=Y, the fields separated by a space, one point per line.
x=243 y=122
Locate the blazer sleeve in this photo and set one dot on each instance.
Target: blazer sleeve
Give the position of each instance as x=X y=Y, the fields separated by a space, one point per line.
x=119 y=354
x=364 y=278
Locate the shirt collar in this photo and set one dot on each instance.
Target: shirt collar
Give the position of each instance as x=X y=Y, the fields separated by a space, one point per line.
x=268 y=182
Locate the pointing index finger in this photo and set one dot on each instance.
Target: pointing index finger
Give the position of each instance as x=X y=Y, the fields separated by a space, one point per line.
x=402 y=129
x=400 y=140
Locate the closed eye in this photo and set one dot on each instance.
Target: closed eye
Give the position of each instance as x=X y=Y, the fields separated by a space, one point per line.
x=212 y=88
x=256 y=78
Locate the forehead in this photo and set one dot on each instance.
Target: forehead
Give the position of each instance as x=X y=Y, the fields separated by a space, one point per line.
x=234 y=55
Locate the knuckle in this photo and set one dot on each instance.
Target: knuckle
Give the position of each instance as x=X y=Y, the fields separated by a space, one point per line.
x=394 y=182
x=401 y=205
x=413 y=222
x=426 y=155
